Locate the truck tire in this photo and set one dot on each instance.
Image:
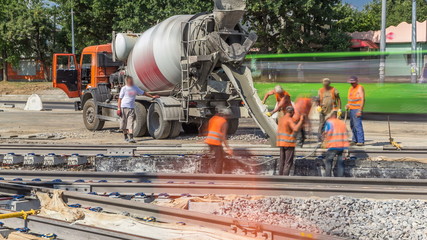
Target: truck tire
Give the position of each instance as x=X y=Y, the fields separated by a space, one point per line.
x=158 y=128
x=175 y=129
x=233 y=125
x=140 y=125
x=90 y=119
x=190 y=128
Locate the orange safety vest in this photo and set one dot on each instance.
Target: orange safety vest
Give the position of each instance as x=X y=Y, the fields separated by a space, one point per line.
x=354 y=98
x=279 y=96
x=215 y=134
x=337 y=136
x=285 y=135
x=322 y=92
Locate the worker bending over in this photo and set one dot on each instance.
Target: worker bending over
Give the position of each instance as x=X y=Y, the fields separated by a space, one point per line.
x=286 y=139
x=356 y=102
x=283 y=99
x=336 y=141
x=216 y=137
x=302 y=108
x=126 y=107
x=329 y=100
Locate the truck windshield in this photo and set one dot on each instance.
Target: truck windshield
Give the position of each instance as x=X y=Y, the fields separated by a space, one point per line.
x=106 y=60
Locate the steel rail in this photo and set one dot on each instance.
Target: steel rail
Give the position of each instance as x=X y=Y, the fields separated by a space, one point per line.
x=166 y=214
x=294 y=190
x=67 y=231
x=193 y=149
x=87 y=176
x=222 y=184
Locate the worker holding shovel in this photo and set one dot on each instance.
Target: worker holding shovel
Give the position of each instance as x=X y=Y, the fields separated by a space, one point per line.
x=336 y=141
x=283 y=99
x=329 y=100
x=217 y=137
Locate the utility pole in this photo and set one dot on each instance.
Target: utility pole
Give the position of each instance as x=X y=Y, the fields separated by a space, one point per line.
x=414 y=43
x=73 y=49
x=383 y=40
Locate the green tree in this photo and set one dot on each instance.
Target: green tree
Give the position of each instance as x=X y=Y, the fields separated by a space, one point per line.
x=397 y=11
x=14 y=30
x=294 y=25
x=42 y=32
x=140 y=15
x=96 y=20
x=93 y=21
x=26 y=31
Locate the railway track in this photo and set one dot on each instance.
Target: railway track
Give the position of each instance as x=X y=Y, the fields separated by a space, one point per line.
x=202 y=184
x=195 y=149
x=166 y=214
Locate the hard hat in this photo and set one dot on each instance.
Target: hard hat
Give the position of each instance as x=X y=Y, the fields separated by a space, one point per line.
x=332 y=113
x=278 y=89
x=352 y=79
x=225 y=111
x=326 y=80
x=289 y=109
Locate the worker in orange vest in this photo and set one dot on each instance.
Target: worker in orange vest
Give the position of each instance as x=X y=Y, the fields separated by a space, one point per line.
x=283 y=99
x=329 y=99
x=217 y=137
x=336 y=141
x=286 y=139
x=302 y=108
x=356 y=102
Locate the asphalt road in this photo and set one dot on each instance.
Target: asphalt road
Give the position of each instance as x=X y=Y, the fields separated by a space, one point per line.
x=46 y=105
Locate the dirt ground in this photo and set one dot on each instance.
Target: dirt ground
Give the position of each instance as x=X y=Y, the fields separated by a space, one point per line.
x=18 y=88
x=69 y=124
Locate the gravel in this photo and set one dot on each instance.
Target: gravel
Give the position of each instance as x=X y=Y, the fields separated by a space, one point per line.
x=249 y=138
x=339 y=215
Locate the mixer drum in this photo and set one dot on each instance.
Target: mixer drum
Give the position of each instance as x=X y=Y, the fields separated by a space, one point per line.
x=154 y=62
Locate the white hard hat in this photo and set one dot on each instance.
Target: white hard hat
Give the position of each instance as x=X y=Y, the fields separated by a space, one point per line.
x=278 y=89
x=225 y=111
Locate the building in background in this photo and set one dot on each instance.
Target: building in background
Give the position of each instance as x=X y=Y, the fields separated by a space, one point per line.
x=26 y=70
x=398 y=39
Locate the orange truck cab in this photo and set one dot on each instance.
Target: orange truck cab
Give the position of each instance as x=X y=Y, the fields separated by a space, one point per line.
x=95 y=67
x=92 y=81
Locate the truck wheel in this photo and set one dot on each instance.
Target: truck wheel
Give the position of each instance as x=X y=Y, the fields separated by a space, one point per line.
x=175 y=129
x=157 y=126
x=140 y=126
x=92 y=122
x=190 y=128
x=233 y=125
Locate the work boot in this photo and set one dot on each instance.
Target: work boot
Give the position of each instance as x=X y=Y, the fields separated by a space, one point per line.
x=353 y=143
x=131 y=140
x=126 y=137
x=360 y=144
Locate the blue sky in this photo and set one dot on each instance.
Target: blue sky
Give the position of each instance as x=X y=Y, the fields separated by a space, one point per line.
x=358 y=3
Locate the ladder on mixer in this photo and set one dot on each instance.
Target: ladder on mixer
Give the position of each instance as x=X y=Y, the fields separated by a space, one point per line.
x=185 y=74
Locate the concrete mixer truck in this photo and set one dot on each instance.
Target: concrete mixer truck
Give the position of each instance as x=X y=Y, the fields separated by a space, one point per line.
x=194 y=62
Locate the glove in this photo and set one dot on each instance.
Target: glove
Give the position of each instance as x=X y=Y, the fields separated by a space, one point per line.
x=339 y=113
x=263 y=102
x=119 y=112
x=319 y=109
x=268 y=114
